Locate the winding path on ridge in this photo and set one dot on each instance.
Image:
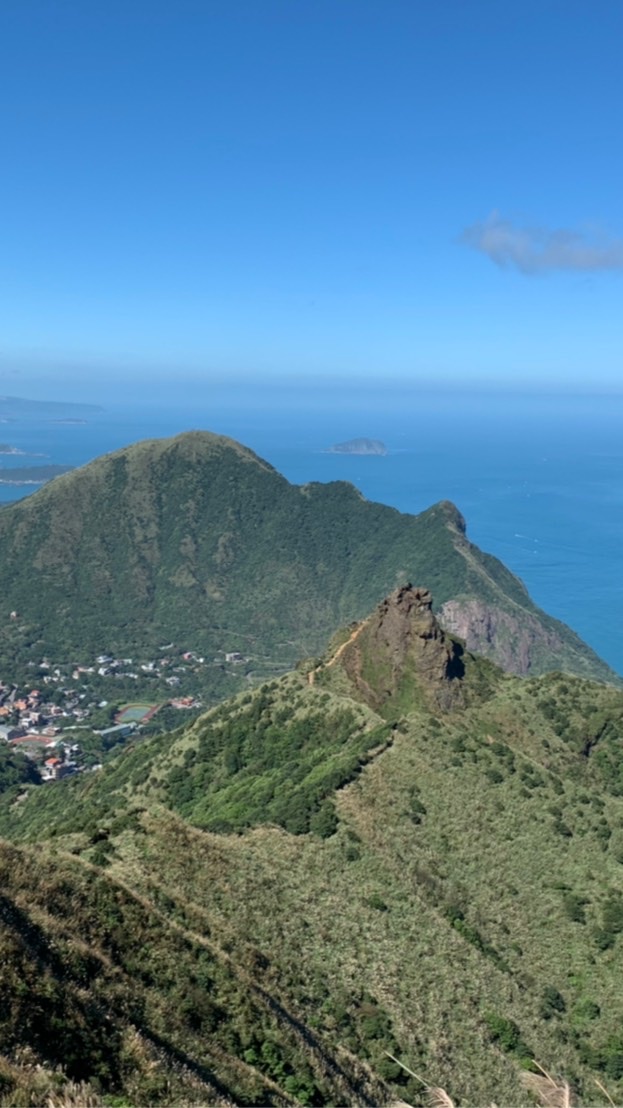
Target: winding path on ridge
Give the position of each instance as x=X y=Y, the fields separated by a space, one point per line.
x=311 y=676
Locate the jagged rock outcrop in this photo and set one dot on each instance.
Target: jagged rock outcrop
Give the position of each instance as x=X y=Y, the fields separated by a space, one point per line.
x=401 y=655
x=406 y=628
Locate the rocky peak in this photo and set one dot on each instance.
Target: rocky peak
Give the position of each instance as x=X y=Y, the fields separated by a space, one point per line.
x=408 y=630
x=401 y=654
x=406 y=612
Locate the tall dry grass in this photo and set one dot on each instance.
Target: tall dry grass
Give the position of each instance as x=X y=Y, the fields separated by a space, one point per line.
x=549 y=1092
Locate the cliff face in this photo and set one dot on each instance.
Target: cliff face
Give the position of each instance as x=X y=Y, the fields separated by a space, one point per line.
x=516 y=643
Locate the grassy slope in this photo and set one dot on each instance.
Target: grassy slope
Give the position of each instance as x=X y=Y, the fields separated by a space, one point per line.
x=120 y=990
x=464 y=913
x=197 y=540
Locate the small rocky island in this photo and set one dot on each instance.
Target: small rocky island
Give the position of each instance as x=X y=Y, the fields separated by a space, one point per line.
x=359 y=446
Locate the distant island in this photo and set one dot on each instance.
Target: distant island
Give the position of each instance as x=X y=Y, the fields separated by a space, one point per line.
x=6 y=448
x=31 y=475
x=14 y=408
x=358 y=446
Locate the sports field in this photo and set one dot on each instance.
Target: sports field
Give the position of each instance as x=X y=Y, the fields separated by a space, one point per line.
x=136 y=713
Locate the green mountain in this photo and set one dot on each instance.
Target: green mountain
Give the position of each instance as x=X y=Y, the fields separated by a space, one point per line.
x=395 y=856
x=197 y=541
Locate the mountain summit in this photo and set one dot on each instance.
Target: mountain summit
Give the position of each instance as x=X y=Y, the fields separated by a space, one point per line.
x=400 y=655
x=400 y=658
x=405 y=628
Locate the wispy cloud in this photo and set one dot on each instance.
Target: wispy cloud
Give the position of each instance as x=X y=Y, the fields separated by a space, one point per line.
x=534 y=250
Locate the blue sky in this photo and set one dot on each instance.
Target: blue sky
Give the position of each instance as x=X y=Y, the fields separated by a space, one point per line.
x=312 y=188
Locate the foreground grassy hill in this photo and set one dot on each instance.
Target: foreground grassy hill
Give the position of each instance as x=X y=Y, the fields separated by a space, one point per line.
x=395 y=852
x=197 y=541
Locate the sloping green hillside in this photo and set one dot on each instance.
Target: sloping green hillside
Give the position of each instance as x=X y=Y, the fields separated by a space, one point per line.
x=110 y=989
x=15 y=768
x=400 y=870
x=197 y=541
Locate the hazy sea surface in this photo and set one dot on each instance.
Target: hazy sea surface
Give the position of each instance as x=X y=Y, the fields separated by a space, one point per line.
x=538 y=479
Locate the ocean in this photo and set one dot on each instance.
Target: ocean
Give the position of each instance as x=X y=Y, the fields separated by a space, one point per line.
x=539 y=479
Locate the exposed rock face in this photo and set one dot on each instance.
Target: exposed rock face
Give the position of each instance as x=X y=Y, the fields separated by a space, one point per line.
x=406 y=626
x=515 y=644
x=402 y=654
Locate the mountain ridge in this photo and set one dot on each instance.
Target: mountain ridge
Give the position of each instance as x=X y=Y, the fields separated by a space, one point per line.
x=198 y=541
